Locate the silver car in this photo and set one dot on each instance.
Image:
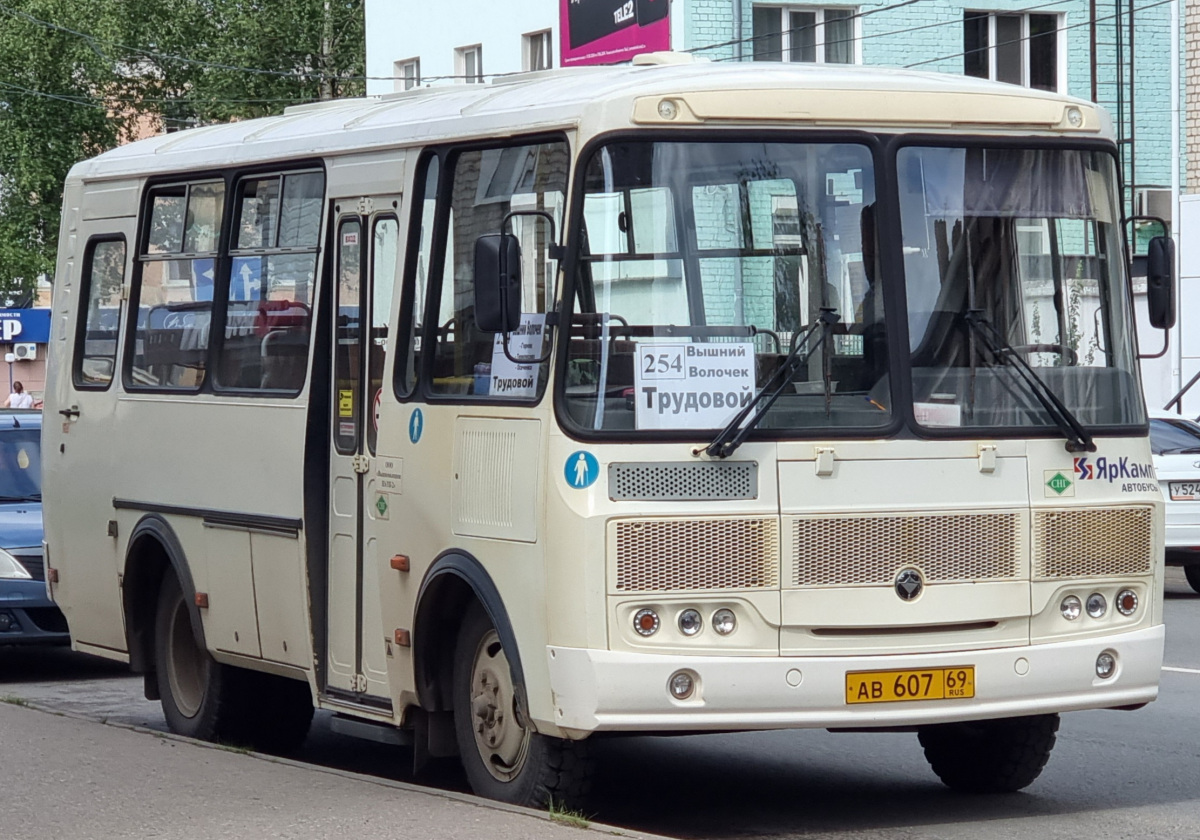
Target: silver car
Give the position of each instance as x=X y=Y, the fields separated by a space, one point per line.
x=1175 y=441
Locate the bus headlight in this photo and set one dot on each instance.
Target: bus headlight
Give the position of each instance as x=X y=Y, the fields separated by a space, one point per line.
x=1096 y=605
x=724 y=622
x=690 y=622
x=1071 y=608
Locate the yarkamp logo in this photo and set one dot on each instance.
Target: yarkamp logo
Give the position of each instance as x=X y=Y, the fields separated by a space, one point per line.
x=1111 y=470
x=1059 y=483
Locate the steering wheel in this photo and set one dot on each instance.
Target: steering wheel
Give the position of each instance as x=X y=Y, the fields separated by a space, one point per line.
x=1063 y=350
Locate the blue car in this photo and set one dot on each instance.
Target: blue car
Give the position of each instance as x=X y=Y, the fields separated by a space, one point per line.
x=27 y=615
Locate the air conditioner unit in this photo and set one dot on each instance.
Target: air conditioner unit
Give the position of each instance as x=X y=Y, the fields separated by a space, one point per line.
x=1154 y=201
x=25 y=352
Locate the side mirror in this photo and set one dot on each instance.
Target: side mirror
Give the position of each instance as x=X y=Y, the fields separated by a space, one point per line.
x=497 y=283
x=1160 y=282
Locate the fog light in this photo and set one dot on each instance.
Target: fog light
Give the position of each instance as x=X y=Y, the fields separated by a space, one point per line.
x=1106 y=664
x=1071 y=607
x=681 y=685
x=1096 y=605
x=1127 y=602
x=690 y=622
x=646 y=622
x=7 y=622
x=724 y=622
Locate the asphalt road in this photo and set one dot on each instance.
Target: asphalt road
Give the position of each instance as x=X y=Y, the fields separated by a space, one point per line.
x=1112 y=774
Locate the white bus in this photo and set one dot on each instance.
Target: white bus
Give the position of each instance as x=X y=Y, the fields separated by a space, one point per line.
x=661 y=398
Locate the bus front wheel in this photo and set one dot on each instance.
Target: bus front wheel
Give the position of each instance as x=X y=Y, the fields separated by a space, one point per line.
x=990 y=756
x=503 y=757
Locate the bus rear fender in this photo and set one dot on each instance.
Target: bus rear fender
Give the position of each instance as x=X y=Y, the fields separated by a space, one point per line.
x=153 y=549
x=455 y=579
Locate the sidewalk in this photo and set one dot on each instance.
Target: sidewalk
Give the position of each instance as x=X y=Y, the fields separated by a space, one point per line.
x=70 y=777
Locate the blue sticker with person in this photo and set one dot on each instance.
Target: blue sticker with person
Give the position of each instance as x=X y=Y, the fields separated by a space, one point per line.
x=581 y=470
x=416 y=425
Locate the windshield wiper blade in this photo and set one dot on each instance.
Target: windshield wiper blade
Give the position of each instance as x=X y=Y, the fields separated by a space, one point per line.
x=34 y=497
x=734 y=434
x=1078 y=439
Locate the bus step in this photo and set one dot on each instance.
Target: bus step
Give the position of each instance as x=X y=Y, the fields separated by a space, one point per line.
x=379 y=732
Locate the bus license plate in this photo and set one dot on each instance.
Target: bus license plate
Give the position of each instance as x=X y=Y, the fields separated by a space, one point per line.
x=1185 y=491
x=902 y=686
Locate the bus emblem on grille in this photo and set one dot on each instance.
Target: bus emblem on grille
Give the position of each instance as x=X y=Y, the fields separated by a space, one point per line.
x=909 y=584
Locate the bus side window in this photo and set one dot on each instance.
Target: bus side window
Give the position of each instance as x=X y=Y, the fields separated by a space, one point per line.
x=488 y=185
x=96 y=342
x=412 y=308
x=173 y=294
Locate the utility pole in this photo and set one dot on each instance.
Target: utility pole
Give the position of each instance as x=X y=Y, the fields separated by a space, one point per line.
x=326 y=63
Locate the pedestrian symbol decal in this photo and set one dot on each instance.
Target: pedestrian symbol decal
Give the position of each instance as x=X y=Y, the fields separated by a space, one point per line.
x=582 y=470
x=416 y=425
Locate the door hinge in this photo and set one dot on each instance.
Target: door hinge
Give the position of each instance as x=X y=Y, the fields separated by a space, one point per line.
x=361 y=464
x=360 y=683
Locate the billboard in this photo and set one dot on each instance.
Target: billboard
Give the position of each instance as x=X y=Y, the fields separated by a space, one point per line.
x=610 y=31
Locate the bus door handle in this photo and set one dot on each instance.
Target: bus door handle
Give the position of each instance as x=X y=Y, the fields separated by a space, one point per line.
x=69 y=413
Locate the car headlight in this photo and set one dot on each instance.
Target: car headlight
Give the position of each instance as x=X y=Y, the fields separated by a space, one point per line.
x=10 y=569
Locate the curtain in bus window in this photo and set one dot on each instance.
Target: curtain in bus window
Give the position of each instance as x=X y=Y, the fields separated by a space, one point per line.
x=490 y=184
x=96 y=356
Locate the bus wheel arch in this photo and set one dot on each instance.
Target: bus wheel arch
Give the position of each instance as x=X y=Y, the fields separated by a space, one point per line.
x=153 y=551
x=452 y=583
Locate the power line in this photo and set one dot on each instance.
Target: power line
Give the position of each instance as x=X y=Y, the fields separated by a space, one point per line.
x=88 y=102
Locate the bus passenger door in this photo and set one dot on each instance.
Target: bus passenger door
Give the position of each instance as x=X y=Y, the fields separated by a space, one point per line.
x=366 y=243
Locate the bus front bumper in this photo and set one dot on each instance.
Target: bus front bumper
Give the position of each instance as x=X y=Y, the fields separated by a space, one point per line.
x=598 y=690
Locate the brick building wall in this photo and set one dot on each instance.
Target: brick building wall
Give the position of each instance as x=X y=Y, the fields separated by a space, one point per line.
x=1191 y=95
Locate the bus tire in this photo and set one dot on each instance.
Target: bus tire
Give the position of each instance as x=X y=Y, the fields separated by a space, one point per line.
x=1192 y=573
x=504 y=759
x=191 y=684
x=990 y=756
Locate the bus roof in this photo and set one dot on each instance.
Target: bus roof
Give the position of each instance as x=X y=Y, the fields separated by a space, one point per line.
x=607 y=98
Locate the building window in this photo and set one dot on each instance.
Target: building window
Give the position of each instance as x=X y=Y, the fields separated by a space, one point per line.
x=407 y=74
x=468 y=64
x=804 y=33
x=1018 y=49
x=538 y=54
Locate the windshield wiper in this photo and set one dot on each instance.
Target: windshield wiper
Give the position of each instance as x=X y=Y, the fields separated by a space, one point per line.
x=1078 y=439
x=731 y=437
x=33 y=497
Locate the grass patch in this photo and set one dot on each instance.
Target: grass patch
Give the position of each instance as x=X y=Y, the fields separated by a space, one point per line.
x=236 y=748
x=14 y=700
x=567 y=816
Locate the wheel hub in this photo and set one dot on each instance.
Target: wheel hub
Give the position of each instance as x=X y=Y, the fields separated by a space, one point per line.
x=501 y=739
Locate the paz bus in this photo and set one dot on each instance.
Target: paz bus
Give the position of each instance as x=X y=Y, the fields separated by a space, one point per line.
x=672 y=397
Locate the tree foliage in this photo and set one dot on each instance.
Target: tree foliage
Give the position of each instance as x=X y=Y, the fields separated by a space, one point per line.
x=79 y=76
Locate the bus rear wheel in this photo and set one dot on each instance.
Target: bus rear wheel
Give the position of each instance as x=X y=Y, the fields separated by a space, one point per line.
x=203 y=699
x=503 y=757
x=990 y=756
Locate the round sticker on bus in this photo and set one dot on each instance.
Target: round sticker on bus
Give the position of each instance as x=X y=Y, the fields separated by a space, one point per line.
x=581 y=470
x=416 y=425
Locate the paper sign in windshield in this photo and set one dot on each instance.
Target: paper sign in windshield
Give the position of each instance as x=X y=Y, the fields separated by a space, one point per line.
x=691 y=386
x=509 y=378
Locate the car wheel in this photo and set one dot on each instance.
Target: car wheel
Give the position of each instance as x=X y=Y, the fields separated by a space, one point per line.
x=1192 y=573
x=503 y=757
x=990 y=756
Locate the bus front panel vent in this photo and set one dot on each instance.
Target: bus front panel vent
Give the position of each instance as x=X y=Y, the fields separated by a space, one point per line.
x=683 y=481
x=1093 y=542
x=869 y=550
x=690 y=555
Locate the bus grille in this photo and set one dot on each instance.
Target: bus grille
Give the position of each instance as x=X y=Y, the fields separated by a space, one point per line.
x=868 y=550
x=667 y=555
x=1093 y=542
x=683 y=481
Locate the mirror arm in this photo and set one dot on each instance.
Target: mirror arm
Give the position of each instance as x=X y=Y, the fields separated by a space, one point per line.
x=1163 y=351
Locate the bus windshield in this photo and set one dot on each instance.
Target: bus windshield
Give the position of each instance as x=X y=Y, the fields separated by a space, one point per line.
x=703 y=265
x=1015 y=255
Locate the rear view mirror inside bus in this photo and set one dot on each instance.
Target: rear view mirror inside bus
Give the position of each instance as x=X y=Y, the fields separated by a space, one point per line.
x=497 y=282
